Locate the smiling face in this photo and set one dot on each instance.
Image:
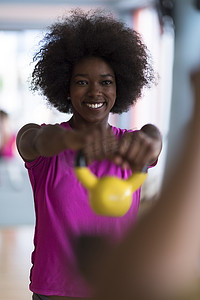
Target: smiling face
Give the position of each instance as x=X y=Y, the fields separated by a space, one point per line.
x=92 y=92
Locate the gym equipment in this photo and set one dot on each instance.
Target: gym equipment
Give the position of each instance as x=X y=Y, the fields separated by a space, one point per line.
x=108 y=195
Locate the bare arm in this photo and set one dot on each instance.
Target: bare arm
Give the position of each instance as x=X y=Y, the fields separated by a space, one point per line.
x=34 y=140
x=159 y=257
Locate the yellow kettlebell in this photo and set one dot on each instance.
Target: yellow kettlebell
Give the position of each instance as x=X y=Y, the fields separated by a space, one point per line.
x=108 y=195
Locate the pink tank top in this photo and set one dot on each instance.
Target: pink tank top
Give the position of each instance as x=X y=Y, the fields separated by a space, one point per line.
x=62 y=215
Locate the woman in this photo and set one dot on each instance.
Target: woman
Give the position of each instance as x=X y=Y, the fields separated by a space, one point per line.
x=90 y=65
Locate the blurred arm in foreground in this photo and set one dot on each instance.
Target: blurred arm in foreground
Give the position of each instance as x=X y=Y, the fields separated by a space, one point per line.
x=159 y=258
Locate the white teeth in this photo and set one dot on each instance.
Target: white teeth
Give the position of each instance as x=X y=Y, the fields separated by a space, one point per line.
x=96 y=105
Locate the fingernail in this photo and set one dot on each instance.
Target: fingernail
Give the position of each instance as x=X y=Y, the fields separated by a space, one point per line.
x=118 y=160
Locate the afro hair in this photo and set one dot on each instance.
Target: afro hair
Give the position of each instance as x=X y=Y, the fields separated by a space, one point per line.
x=93 y=33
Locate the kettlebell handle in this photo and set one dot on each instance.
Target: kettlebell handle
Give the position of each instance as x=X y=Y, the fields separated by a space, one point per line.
x=80 y=161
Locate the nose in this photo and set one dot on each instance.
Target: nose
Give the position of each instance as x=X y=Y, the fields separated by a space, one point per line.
x=94 y=90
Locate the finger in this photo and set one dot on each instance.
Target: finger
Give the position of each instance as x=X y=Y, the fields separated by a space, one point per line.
x=94 y=145
x=128 y=149
x=125 y=165
x=124 y=144
x=105 y=145
x=139 y=151
x=121 y=150
x=142 y=157
x=87 y=150
x=110 y=146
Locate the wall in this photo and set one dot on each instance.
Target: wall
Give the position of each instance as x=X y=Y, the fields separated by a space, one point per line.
x=187 y=56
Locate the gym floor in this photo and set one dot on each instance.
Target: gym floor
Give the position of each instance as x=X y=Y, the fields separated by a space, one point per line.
x=16 y=231
x=15 y=255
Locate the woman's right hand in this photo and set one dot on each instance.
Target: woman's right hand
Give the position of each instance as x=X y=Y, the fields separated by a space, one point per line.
x=98 y=145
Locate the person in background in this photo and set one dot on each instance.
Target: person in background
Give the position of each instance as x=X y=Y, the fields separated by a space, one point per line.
x=7 y=137
x=90 y=65
x=9 y=168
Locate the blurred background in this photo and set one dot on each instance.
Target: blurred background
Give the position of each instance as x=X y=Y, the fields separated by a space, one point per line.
x=171 y=31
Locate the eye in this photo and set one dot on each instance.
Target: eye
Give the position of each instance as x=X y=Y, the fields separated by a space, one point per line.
x=106 y=82
x=81 y=82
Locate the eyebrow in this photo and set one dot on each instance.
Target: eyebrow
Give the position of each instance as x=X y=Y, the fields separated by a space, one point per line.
x=86 y=75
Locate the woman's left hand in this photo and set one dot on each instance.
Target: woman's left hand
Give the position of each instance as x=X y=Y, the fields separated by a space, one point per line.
x=139 y=148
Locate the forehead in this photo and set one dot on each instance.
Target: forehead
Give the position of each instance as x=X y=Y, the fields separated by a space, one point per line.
x=92 y=64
